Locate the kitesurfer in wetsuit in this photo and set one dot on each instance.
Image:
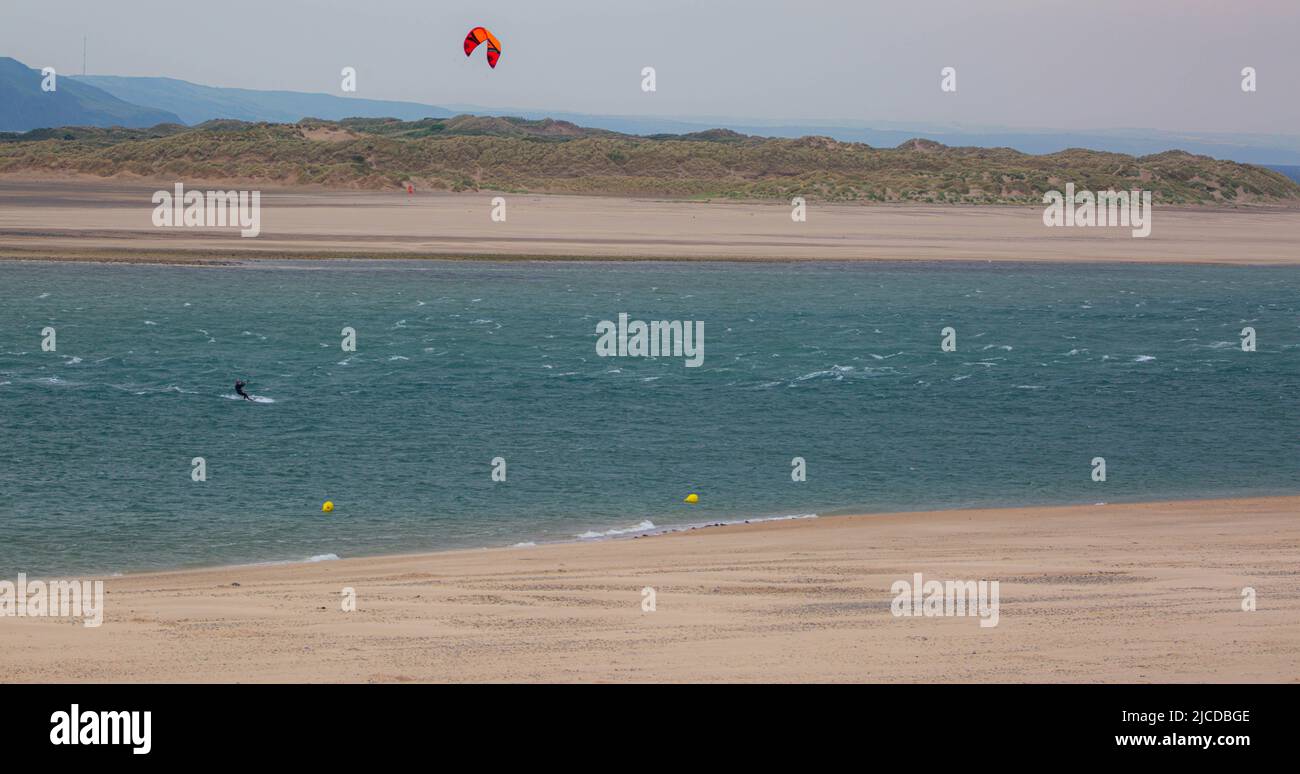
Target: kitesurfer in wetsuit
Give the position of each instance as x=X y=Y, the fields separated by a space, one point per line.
x=239 y=388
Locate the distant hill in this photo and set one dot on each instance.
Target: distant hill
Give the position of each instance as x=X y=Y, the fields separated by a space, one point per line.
x=516 y=154
x=1292 y=172
x=196 y=104
x=23 y=106
x=1245 y=148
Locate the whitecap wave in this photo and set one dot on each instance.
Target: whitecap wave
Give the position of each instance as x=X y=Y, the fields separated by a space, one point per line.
x=256 y=398
x=647 y=527
x=644 y=526
x=836 y=373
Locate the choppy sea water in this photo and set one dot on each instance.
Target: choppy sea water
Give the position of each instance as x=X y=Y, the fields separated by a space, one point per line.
x=461 y=362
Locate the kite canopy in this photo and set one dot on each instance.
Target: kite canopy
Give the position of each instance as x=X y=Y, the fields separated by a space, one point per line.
x=481 y=35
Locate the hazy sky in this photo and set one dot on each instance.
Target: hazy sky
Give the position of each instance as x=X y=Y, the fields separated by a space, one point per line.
x=1167 y=64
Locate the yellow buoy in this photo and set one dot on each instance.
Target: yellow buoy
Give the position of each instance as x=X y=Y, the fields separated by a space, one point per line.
x=327 y=507
x=692 y=498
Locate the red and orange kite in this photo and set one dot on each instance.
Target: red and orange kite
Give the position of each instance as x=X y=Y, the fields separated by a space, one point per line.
x=480 y=35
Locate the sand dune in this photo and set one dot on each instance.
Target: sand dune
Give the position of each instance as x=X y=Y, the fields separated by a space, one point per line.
x=1143 y=592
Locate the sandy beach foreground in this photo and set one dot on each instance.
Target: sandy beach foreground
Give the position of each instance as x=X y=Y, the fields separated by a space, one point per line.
x=1124 y=592
x=95 y=220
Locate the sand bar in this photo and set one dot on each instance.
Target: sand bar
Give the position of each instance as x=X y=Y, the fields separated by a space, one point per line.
x=93 y=220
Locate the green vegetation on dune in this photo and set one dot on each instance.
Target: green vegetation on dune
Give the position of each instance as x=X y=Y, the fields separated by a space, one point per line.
x=514 y=154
